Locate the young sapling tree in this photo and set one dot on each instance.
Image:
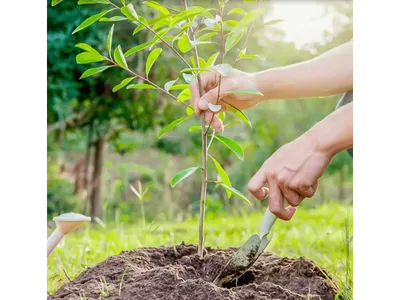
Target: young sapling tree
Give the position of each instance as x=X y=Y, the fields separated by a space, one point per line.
x=181 y=30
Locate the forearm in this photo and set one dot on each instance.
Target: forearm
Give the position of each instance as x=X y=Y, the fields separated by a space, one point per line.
x=334 y=133
x=328 y=74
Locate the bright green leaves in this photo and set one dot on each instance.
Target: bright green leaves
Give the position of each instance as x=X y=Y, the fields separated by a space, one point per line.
x=81 y=2
x=273 y=22
x=88 y=48
x=233 y=38
x=223 y=69
x=93 y=71
x=89 y=21
x=245 y=92
x=222 y=174
x=238 y=113
x=184 y=95
x=232 y=145
x=236 y=193
x=179 y=87
x=88 y=57
x=169 y=84
x=91 y=54
x=55 y=2
x=129 y=12
x=119 y=57
x=211 y=60
x=195 y=70
x=109 y=39
x=138 y=48
x=172 y=125
x=122 y=84
x=143 y=86
x=184 y=44
x=113 y=19
x=237 y=11
x=153 y=4
x=181 y=175
x=151 y=59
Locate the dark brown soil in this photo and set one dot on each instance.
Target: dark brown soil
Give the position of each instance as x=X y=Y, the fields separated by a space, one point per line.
x=177 y=273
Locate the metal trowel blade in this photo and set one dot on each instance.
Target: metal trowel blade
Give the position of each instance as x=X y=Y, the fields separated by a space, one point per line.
x=244 y=258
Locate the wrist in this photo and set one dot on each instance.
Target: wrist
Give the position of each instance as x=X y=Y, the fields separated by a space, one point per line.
x=334 y=133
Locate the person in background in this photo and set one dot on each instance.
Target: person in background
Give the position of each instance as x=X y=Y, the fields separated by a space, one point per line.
x=292 y=172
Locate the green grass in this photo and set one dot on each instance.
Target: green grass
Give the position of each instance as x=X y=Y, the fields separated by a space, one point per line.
x=318 y=234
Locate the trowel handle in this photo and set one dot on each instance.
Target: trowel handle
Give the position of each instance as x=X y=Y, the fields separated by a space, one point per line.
x=53 y=240
x=266 y=223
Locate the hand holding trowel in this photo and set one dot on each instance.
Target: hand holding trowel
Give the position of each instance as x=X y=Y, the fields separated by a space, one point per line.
x=247 y=255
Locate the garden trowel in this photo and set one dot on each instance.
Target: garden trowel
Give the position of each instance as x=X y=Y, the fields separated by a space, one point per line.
x=247 y=255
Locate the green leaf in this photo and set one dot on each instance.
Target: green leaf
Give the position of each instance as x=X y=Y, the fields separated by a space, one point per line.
x=184 y=95
x=171 y=126
x=195 y=70
x=122 y=84
x=250 y=56
x=194 y=128
x=188 y=78
x=179 y=87
x=81 y=2
x=232 y=124
x=143 y=86
x=160 y=33
x=238 y=113
x=138 y=28
x=87 y=48
x=250 y=17
x=222 y=116
x=123 y=2
x=138 y=48
x=189 y=111
x=273 y=22
x=245 y=92
x=184 y=44
x=129 y=12
x=232 y=145
x=113 y=19
x=88 y=57
x=157 y=7
x=237 y=11
x=187 y=14
x=207 y=36
x=169 y=84
x=55 y=2
x=212 y=59
x=89 y=21
x=182 y=175
x=233 y=38
x=152 y=58
x=223 y=69
x=119 y=57
x=236 y=193
x=92 y=71
x=109 y=39
x=224 y=177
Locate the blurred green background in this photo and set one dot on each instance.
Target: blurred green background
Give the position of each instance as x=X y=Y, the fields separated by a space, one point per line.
x=100 y=142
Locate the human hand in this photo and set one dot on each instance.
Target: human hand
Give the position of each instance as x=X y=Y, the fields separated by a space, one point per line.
x=291 y=173
x=235 y=81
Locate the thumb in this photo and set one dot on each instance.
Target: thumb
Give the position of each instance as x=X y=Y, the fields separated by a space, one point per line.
x=212 y=95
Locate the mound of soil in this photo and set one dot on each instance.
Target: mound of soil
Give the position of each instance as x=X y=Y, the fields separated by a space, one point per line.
x=178 y=273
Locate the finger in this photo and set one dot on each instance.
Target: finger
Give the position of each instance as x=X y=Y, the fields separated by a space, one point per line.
x=276 y=202
x=195 y=96
x=257 y=184
x=217 y=124
x=212 y=95
x=293 y=198
x=207 y=80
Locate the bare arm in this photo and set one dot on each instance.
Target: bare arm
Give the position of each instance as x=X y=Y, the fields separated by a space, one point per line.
x=334 y=133
x=328 y=74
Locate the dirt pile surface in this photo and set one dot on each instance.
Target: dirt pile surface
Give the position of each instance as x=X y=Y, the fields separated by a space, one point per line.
x=177 y=272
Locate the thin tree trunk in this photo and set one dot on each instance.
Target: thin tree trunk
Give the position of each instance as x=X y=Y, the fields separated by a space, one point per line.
x=86 y=167
x=167 y=190
x=95 y=198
